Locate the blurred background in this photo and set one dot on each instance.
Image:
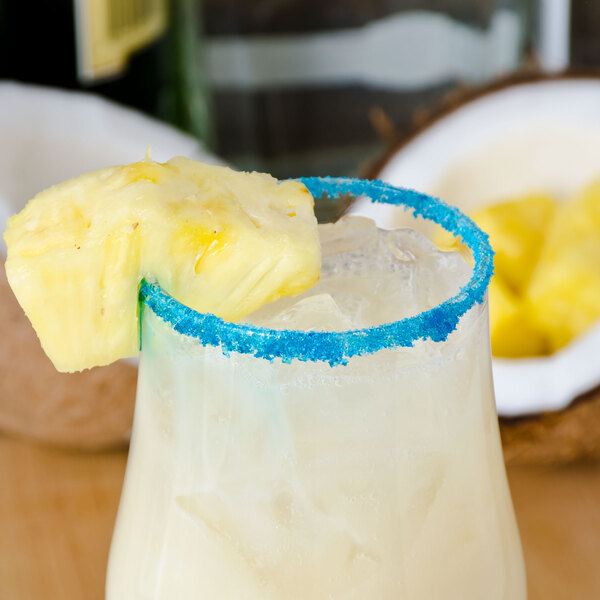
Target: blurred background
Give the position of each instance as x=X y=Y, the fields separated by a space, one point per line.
x=494 y=105
x=481 y=102
x=291 y=86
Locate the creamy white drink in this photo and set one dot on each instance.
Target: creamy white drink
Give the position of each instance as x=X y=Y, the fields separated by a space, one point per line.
x=383 y=478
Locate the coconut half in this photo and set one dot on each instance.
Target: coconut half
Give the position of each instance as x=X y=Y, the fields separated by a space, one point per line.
x=48 y=136
x=537 y=136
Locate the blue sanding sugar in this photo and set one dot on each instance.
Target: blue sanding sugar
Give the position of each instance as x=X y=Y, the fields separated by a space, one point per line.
x=336 y=348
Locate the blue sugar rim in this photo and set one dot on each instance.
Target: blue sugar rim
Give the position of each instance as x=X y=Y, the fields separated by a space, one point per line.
x=336 y=348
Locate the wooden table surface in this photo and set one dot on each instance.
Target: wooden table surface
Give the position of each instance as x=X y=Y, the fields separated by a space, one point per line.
x=57 y=510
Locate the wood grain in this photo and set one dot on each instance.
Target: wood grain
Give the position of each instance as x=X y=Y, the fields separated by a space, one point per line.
x=57 y=511
x=558 y=512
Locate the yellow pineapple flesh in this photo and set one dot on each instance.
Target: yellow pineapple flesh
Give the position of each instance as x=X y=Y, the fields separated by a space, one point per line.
x=513 y=331
x=564 y=290
x=546 y=289
x=517 y=229
x=217 y=240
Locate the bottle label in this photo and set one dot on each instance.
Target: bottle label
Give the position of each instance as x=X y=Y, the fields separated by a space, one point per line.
x=109 y=31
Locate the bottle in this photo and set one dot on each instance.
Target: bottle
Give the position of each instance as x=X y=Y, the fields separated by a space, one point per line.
x=126 y=50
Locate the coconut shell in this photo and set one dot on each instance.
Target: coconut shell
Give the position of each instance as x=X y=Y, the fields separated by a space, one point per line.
x=568 y=435
x=424 y=117
x=564 y=436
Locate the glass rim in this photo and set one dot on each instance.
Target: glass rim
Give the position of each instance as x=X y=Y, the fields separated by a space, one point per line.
x=336 y=347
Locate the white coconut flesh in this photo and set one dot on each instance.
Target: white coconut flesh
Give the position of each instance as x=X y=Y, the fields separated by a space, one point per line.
x=531 y=137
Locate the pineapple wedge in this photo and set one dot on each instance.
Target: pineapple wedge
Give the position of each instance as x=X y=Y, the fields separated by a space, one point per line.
x=512 y=329
x=517 y=229
x=564 y=290
x=217 y=240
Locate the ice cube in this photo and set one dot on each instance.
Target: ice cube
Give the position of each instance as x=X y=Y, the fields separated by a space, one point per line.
x=266 y=531
x=312 y=313
x=347 y=234
x=369 y=277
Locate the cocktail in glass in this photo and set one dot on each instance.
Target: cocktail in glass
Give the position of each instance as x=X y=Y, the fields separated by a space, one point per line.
x=339 y=464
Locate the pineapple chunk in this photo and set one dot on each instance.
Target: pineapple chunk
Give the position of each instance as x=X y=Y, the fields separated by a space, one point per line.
x=512 y=330
x=565 y=287
x=517 y=229
x=217 y=240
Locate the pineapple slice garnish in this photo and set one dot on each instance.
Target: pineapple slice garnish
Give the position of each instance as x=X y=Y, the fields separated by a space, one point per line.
x=217 y=240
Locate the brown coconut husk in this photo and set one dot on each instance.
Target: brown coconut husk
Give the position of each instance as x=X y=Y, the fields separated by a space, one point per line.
x=568 y=435
x=424 y=117
x=563 y=436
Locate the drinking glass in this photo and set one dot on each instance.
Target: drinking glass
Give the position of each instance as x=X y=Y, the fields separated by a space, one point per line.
x=287 y=464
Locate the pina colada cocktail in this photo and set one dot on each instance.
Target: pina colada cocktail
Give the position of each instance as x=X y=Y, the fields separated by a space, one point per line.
x=341 y=445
